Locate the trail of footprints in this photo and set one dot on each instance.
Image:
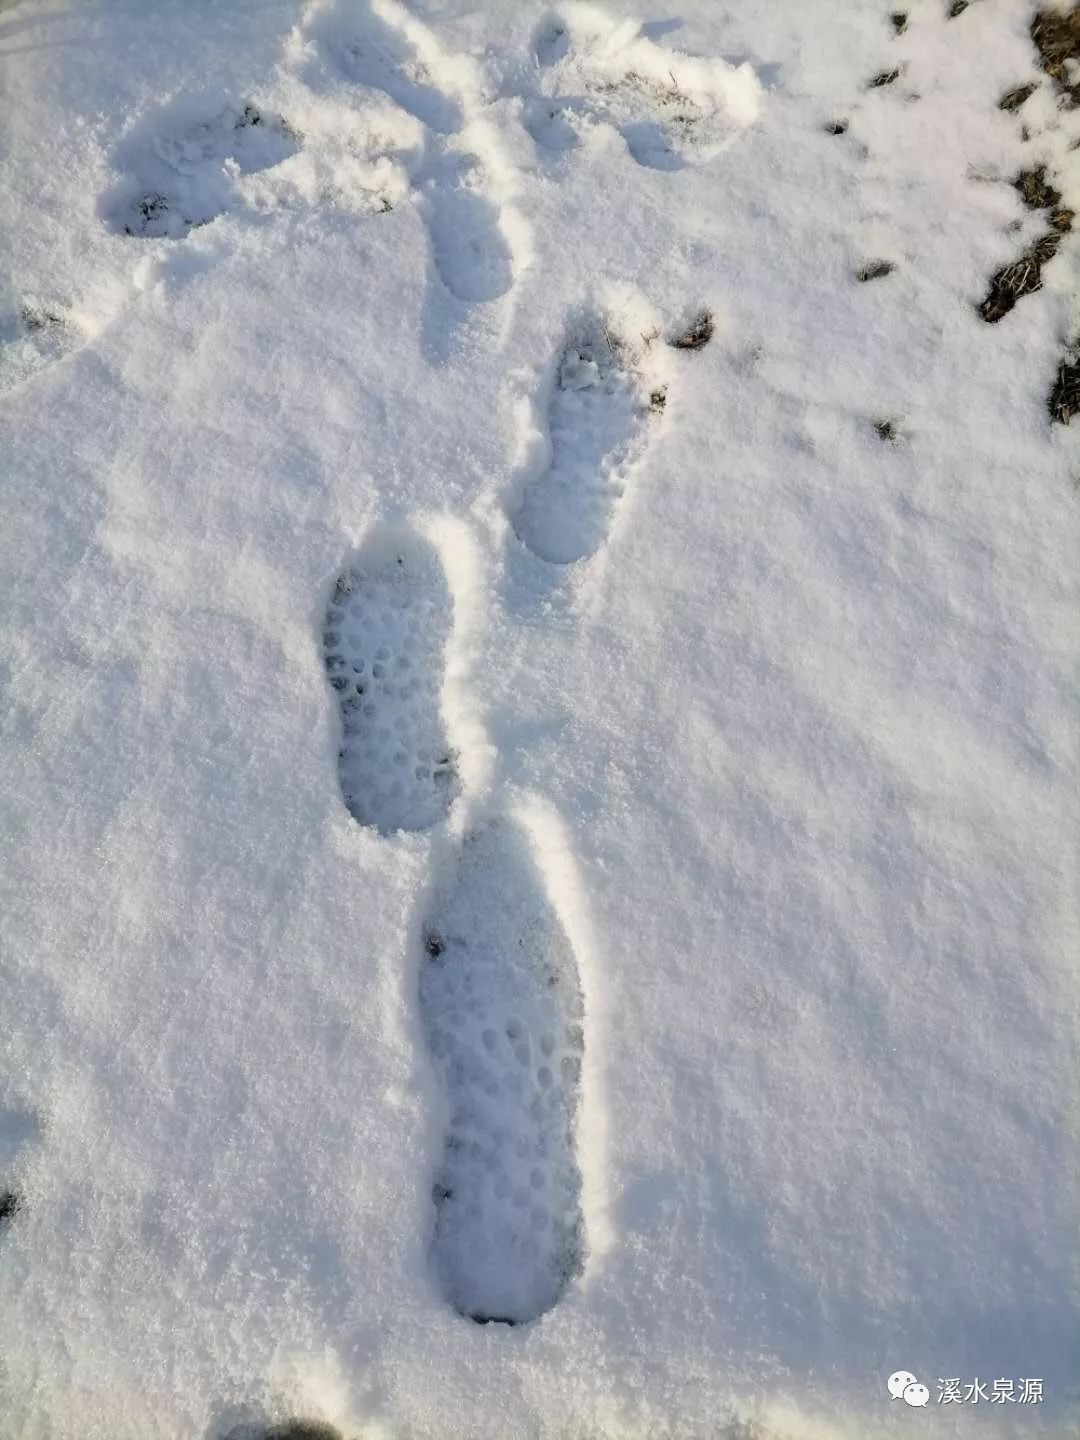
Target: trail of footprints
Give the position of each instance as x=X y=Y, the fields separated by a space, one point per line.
x=186 y=167
x=192 y=162
x=500 y=993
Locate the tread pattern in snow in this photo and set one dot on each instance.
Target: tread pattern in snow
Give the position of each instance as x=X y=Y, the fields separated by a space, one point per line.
x=597 y=419
x=386 y=630
x=503 y=1013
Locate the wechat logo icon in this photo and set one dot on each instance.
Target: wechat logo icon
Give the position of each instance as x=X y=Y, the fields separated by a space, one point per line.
x=904 y=1386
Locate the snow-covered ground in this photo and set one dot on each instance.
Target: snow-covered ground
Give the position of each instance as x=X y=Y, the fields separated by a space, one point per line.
x=661 y=932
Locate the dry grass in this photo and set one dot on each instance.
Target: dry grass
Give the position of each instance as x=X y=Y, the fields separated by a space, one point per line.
x=1022 y=277
x=1064 y=398
x=1034 y=190
x=1013 y=99
x=1056 y=37
x=698 y=335
x=35 y=318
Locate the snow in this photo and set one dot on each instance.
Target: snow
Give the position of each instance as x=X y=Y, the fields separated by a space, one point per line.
x=762 y=728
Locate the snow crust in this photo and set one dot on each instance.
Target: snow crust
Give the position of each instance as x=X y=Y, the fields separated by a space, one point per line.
x=770 y=745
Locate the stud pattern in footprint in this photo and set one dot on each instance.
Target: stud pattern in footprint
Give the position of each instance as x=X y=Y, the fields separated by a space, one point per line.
x=598 y=420
x=387 y=625
x=670 y=108
x=183 y=175
x=502 y=1010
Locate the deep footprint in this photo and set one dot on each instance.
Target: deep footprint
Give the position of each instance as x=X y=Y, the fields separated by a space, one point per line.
x=502 y=1010
x=387 y=625
x=598 y=422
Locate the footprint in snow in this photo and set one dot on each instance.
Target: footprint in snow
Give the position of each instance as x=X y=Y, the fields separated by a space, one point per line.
x=499 y=991
x=387 y=625
x=671 y=109
x=599 y=417
x=371 y=52
x=33 y=338
x=183 y=171
x=502 y=1010
x=470 y=250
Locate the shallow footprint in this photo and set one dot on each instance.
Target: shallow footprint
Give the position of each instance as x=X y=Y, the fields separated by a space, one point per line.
x=670 y=108
x=597 y=420
x=471 y=253
x=33 y=338
x=378 y=55
x=502 y=1010
x=387 y=625
x=184 y=174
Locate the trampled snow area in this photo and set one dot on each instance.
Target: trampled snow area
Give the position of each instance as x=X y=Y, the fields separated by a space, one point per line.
x=539 y=862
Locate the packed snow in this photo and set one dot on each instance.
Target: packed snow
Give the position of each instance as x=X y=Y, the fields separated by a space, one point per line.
x=539 y=788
